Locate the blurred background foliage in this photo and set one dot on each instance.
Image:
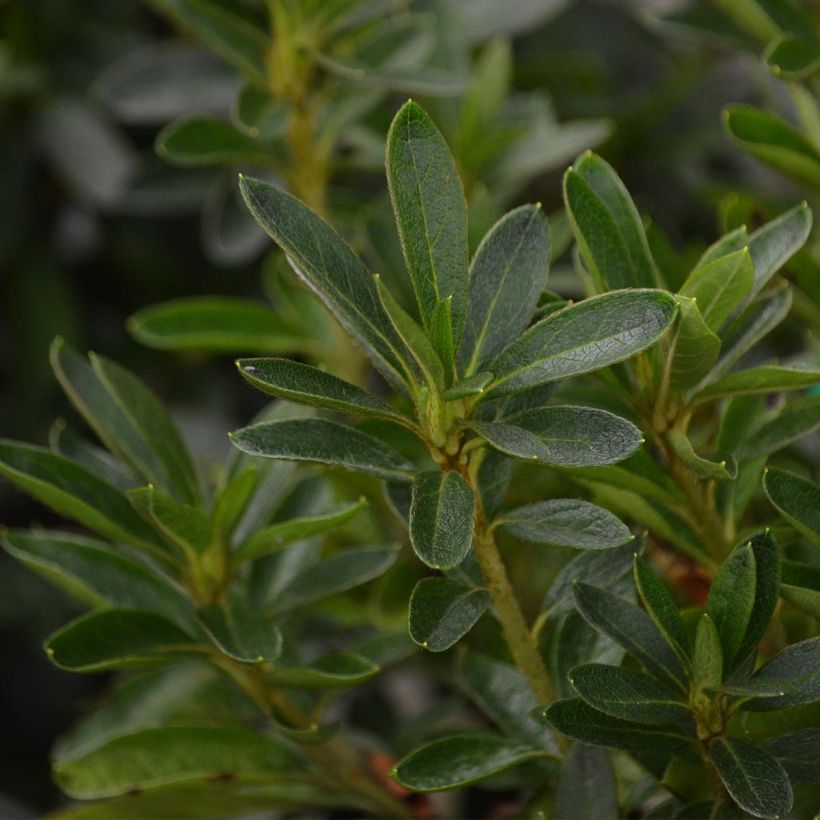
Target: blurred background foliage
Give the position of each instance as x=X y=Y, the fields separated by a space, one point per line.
x=124 y=126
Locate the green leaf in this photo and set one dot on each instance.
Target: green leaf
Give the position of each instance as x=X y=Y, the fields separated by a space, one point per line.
x=240 y=633
x=327 y=265
x=171 y=754
x=342 y=571
x=304 y=384
x=767 y=585
x=689 y=351
x=97 y=460
x=627 y=694
x=507 y=275
x=754 y=779
x=208 y=141
x=443 y=611
x=566 y=522
x=117 y=639
x=581 y=338
x=767 y=378
x=703 y=467
x=442 y=517
x=586 y=786
x=792 y=58
x=707 y=661
x=795 y=672
x=325 y=442
x=728 y=244
x=129 y=419
x=231 y=503
x=277 y=536
x=801 y=586
x=234 y=39
x=607 y=226
x=74 y=492
x=431 y=215
x=471 y=386
x=579 y=721
x=720 y=286
x=796 y=420
x=93 y=572
x=731 y=600
x=458 y=760
x=334 y=671
x=214 y=324
x=631 y=628
x=661 y=607
x=796 y=499
x=774 y=141
x=798 y=752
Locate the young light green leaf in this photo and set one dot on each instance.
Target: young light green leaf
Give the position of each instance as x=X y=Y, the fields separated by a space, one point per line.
x=798 y=752
x=627 y=694
x=304 y=384
x=754 y=779
x=578 y=720
x=443 y=611
x=431 y=214
x=566 y=522
x=720 y=286
x=507 y=275
x=442 y=517
x=240 y=633
x=607 y=226
x=335 y=671
x=586 y=786
x=329 y=268
x=703 y=467
x=796 y=420
x=796 y=499
x=117 y=639
x=731 y=600
x=795 y=672
x=688 y=352
x=792 y=58
x=766 y=378
x=76 y=493
x=325 y=442
x=707 y=660
x=277 y=536
x=208 y=141
x=661 y=608
x=441 y=332
x=214 y=325
x=169 y=754
x=767 y=586
x=630 y=627
x=458 y=760
x=581 y=338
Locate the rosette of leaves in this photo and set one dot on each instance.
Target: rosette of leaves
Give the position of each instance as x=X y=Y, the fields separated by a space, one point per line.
x=474 y=378
x=692 y=702
x=710 y=404
x=215 y=586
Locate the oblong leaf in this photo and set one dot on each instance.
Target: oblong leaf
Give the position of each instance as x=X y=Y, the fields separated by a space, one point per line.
x=796 y=499
x=796 y=420
x=766 y=378
x=586 y=786
x=791 y=57
x=773 y=244
x=241 y=633
x=767 y=587
x=325 y=442
x=334 y=671
x=798 y=752
x=592 y=334
x=198 y=141
x=795 y=671
x=443 y=611
x=661 y=607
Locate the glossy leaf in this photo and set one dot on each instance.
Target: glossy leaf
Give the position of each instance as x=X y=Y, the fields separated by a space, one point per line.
x=796 y=499
x=325 y=442
x=584 y=337
x=661 y=607
x=586 y=786
x=766 y=378
x=607 y=226
x=754 y=779
x=458 y=760
x=507 y=275
x=442 y=517
x=431 y=214
x=443 y=611
x=566 y=522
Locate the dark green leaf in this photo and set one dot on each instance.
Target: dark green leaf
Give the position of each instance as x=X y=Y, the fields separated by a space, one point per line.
x=703 y=467
x=442 y=612
x=707 y=661
x=631 y=628
x=242 y=634
x=431 y=214
x=627 y=694
x=507 y=275
x=117 y=639
x=801 y=586
x=798 y=752
x=471 y=386
x=607 y=226
x=795 y=672
x=661 y=607
x=214 y=324
x=442 y=517
x=458 y=760
x=326 y=442
x=329 y=672
x=792 y=58
x=209 y=141
x=796 y=420
x=170 y=754
x=579 y=721
x=581 y=338
x=767 y=584
x=100 y=462
x=796 y=499
x=566 y=522
x=754 y=779
x=328 y=266
x=767 y=378
x=586 y=786
x=231 y=503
